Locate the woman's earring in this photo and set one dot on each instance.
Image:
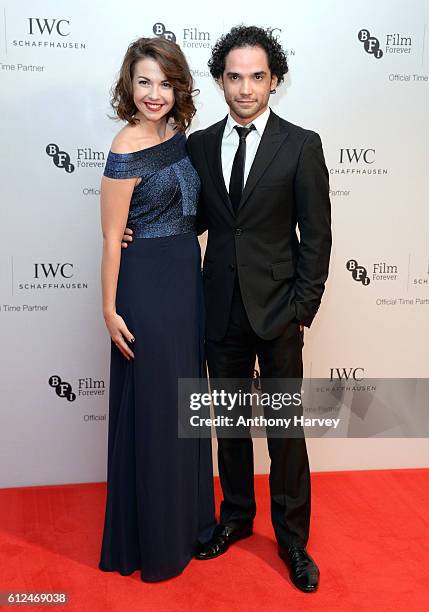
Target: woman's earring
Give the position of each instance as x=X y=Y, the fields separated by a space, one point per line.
x=273 y=91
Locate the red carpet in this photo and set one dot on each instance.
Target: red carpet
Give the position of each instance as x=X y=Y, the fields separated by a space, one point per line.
x=369 y=536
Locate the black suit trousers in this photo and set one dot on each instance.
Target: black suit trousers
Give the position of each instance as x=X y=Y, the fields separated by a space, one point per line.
x=233 y=357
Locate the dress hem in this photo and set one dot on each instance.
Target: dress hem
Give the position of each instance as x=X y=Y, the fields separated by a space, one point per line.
x=146 y=578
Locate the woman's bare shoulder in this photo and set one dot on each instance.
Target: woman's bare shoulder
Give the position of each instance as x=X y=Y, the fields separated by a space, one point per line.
x=126 y=140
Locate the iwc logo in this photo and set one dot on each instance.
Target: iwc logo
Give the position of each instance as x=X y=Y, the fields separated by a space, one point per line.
x=48 y=33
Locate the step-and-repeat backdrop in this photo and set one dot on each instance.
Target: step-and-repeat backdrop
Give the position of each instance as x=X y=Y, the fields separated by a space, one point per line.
x=359 y=75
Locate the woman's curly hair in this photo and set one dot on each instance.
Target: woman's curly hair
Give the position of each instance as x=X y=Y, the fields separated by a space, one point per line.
x=175 y=67
x=248 y=36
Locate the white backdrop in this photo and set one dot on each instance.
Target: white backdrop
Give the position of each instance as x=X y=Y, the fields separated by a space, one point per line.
x=369 y=104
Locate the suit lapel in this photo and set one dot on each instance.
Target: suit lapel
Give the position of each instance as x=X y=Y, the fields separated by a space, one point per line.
x=271 y=140
x=212 y=147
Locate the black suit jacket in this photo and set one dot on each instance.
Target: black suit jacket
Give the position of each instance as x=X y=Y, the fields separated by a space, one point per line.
x=282 y=278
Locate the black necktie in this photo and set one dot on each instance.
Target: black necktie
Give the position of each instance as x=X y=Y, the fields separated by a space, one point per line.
x=236 y=182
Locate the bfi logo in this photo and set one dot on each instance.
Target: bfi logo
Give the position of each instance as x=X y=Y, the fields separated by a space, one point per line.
x=61 y=159
x=359 y=273
x=62 y=388
x=371 y=44
x=160 y=30
x=395 y=43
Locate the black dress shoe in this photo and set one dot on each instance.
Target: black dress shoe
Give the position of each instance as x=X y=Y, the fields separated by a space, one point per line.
x=303 y=571
x=222 y=539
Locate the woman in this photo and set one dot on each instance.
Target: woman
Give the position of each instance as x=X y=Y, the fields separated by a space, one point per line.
x=160 y=500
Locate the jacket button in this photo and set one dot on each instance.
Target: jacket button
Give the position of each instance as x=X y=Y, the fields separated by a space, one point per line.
x=238 y=231
x=231 y=267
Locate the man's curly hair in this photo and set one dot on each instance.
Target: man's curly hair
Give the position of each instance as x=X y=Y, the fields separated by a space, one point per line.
x=248 y=36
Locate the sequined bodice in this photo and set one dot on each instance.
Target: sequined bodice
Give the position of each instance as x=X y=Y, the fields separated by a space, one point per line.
x=164 y=203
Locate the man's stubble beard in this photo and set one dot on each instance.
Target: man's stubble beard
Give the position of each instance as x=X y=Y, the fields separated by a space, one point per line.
x=246 y=113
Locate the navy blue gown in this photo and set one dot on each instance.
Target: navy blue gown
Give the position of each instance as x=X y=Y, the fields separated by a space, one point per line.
x=160 y=500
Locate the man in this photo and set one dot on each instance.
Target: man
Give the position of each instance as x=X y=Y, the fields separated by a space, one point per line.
x=261 y=177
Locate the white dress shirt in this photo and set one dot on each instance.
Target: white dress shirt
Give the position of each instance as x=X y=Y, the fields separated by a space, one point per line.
x=231 y=139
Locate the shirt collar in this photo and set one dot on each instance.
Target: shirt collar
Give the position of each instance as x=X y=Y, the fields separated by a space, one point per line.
x=259 y=123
